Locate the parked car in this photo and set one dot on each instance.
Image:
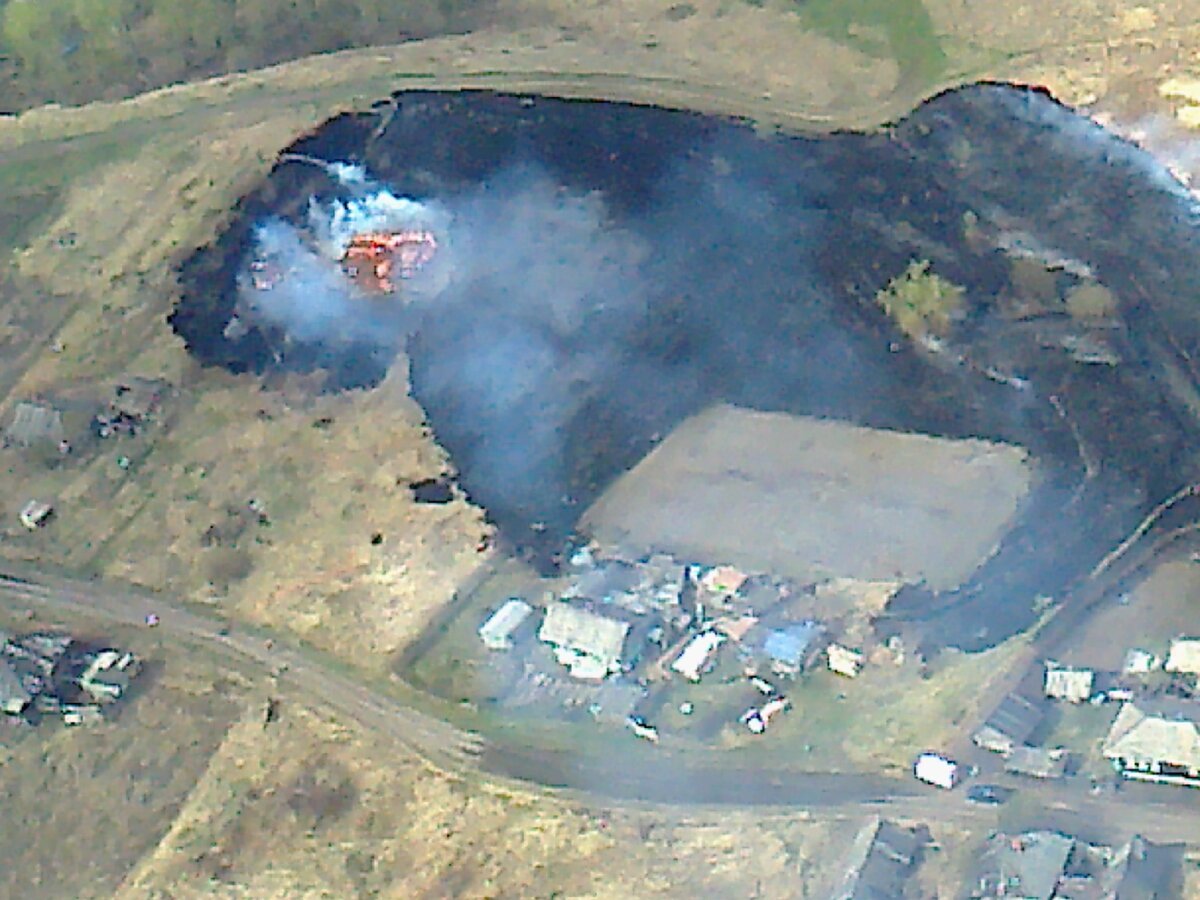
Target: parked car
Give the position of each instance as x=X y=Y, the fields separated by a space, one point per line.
x=989 y=794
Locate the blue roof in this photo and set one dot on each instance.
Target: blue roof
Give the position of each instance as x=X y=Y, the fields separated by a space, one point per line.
x=788 y=645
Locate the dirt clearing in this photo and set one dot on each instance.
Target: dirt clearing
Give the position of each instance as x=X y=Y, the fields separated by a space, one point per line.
x=814 y=499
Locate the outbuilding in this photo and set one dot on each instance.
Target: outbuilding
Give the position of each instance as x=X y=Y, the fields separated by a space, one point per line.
x=697 y=654
x=1066 y=683
x=1184 y=656
x=497 y=632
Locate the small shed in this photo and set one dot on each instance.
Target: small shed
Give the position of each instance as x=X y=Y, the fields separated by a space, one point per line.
x=35 y=514
x=1139 y=662
x=497 y=632
x=1184 y=656
x=1069 y=684
x=1037 y=762
x=844 y=661
x=696 y=655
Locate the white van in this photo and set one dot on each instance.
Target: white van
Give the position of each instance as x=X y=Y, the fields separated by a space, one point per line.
x=935 y=769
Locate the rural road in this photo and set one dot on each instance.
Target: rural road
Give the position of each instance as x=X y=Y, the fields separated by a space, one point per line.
x=647 y=776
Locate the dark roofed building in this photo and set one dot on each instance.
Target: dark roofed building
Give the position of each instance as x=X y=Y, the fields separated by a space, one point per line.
x=1152 y=871
x=1009 y=725
x=1037 y=762
x=882 y=860
x=1026 y=866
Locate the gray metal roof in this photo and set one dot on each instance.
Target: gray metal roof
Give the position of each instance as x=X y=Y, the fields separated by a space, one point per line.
x=34 y=423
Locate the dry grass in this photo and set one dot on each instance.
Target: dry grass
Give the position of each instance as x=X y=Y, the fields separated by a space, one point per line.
x=306 y=808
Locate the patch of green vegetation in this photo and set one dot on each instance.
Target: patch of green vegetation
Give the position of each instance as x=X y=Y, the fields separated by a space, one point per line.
x=30 y=186
x=72 y=52
x=920 y=302
x=902 y=29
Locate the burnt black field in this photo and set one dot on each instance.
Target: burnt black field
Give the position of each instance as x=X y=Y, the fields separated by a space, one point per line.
x=631 y=265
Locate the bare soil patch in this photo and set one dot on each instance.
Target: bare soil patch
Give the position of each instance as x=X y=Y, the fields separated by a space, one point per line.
x=816 y=499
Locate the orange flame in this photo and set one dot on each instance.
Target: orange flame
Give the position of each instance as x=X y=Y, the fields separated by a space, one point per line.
x=372 y=258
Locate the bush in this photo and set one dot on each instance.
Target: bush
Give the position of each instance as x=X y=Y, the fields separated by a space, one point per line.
x=226 y=566
x=920 y=302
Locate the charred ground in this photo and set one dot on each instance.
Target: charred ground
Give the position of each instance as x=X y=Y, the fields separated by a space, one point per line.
x=702 y=261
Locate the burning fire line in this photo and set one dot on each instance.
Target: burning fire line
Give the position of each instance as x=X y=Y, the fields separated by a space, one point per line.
x=373 y=258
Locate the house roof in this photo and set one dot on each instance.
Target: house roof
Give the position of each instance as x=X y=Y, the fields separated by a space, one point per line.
x=1015 y=718
x=1144 y=737
x=1184 y=656
x=585 y=633
x=789 y=645
x=1027 y=865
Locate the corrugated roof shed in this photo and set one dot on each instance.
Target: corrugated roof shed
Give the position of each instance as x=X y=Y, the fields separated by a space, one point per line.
x=585 y=634
x=791 y=644
x=1014 y=720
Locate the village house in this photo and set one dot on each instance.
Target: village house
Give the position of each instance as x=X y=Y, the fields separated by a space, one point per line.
x=1156 y=741
x=45 y=673
x=497 y=632
x=790 y=649
x=1069 y=684
x=1049 y=865
x=1009 y=725
x=1023 y=867
x=590 y=645
x=1183 y=657
x=881 y=862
